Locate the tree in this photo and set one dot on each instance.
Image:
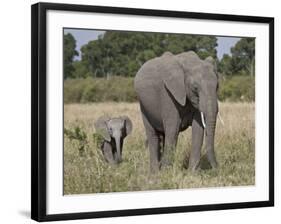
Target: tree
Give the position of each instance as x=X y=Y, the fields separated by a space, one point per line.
x=69 y=45
x=206 y=46
x=123 y=53
x=242 y=59
x=225 y=65
x=80 y=70
x=243 y=56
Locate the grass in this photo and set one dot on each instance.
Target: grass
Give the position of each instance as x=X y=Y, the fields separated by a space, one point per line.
x=88 y=173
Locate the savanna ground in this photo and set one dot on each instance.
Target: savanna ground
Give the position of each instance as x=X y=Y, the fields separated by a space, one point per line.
x=88 y=173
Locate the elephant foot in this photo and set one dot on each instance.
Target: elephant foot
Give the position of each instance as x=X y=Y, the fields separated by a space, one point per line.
x=212 y=160
x=194 y=170
x=194 y=167
x=166 y=164
x=214 y=165
x=168 y=159
x=154 y=168
x=194 y=163
x=154 y=171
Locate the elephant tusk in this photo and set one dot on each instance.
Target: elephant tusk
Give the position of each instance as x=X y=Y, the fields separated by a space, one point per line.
x=221 y=120
x=203 y=120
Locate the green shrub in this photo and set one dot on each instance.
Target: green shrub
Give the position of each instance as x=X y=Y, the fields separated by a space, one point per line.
x=73 y=90
x=80 y=136
x=118 y=89
x=121 y=89
x=237 y=88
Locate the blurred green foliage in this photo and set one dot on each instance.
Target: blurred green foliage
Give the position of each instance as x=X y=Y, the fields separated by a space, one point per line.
x=120 y=89
x=122 y=53
x=109 y=64
x=241 y=61
x=78 y=135
x=237 y=88
x=69 y=45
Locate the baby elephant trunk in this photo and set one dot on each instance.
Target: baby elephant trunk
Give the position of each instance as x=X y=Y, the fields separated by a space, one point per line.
x=118 y=148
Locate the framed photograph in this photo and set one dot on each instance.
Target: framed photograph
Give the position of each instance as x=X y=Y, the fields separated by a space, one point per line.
x=139 y=111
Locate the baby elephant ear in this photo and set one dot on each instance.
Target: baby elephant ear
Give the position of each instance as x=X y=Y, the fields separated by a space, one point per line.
x=128 y=125
x=101 y=128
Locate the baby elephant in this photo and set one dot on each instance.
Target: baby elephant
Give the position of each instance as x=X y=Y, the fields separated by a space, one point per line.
x=113 y=131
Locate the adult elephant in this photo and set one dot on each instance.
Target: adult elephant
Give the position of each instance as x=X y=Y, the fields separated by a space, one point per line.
x=175 y=92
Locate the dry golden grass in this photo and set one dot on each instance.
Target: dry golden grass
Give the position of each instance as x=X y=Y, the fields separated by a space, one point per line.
x=234 y=145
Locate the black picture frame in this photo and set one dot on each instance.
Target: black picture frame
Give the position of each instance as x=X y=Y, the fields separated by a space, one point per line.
x=39 y=107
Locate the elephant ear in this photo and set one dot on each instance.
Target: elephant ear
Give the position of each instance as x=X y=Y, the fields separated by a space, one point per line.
x=101 y=128
x=212 y=62
x=174 y=82
x=128 y=124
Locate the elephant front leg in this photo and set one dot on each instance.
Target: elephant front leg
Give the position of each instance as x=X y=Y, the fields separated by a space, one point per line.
x=107 y=150
x=197 y=141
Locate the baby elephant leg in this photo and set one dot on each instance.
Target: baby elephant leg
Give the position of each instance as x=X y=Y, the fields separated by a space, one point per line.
x=107 y=150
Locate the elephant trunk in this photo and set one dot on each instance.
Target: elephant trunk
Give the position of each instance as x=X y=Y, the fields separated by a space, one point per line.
x=118 y=148
x=211 y=115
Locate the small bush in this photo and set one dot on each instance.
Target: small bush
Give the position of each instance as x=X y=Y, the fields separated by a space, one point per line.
x=121 y=89
x=73 y=90
x=117 y=89
x=237 y=88
x=80 y=136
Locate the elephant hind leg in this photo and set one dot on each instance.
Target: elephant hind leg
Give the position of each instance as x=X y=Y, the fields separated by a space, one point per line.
x=170 y=143
x=168 y=154
x=153 y=141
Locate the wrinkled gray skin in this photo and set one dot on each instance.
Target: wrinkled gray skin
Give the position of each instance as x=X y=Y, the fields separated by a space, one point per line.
x=113 y=131
x=173 y=90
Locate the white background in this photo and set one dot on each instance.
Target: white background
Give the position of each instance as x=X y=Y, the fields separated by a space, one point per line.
x=15 y=110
